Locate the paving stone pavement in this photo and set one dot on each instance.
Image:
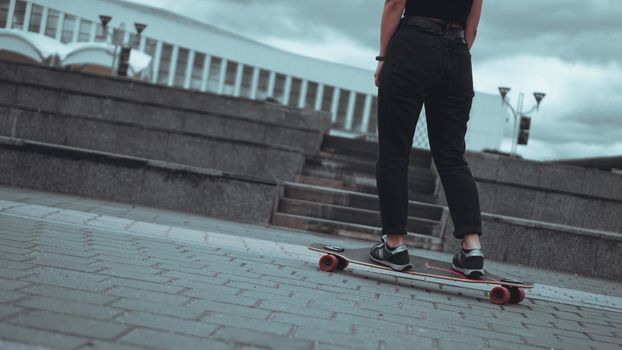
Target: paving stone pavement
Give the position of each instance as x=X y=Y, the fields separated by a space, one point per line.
x=77 y=273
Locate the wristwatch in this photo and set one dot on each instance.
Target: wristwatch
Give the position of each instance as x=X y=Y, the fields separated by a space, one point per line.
x=380 y=58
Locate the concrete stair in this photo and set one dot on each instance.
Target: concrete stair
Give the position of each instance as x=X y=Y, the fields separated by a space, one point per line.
x=360 y=175
x=335 y=193
x=343 y=229
x=353 y=199
x=361 y=148
x=349 y=214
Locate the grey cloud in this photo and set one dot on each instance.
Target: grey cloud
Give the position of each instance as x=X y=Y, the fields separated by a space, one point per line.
x=563 y=131
x=571 y=30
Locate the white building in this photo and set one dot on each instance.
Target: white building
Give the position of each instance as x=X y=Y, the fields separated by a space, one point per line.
x=189 y=54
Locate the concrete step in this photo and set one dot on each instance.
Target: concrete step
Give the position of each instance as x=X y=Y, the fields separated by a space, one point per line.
x=324 y=182
x=364 y=149
x=416 y=159
x=364 y=186
x=352 y=199
x=352 y=215
x=417 y=183
x=344 y=229
x=344 y=165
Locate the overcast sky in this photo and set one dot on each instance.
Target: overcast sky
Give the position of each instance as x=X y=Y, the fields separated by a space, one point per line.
x=569 y=49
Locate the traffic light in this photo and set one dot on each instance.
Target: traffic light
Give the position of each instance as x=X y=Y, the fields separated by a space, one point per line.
x=523 y=132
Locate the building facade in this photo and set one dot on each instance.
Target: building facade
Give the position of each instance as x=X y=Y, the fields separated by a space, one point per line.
x=189 y=54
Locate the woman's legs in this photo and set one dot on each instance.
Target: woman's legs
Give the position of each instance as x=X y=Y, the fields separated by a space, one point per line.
x=447 y=115
x=407 y=73
x=446 y=130
x=397 y=118
x=398 y=112
x=447 y=112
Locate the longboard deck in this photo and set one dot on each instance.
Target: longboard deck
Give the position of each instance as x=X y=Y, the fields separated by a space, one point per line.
x=421 y=267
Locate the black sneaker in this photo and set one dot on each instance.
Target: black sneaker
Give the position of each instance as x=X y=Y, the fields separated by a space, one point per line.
x=396 y=258
x=470 y=262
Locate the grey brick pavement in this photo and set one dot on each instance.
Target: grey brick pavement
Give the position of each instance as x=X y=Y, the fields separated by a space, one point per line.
x=82 y=274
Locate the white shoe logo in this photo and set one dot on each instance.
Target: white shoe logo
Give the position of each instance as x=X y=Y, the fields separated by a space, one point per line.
x=380 y=253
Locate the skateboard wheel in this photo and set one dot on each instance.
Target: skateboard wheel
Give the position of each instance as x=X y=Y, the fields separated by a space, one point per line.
x=516 y=295
x=342 y=264
x=328 y=263
x=499 y=295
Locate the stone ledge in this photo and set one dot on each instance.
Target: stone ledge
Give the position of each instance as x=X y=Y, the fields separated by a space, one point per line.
x=552 y=226
x=137 y=181
x=545 y=192
x=151 y=142
x=586 y=252
x=559 y=178
x=347 y=192
x=594 y=213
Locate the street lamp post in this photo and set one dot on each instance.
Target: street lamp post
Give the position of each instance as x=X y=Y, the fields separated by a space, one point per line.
x=105 y=20
x=140 y=27
x=518 y=111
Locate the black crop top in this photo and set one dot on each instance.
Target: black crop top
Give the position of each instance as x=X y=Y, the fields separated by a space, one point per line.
x=448 y=10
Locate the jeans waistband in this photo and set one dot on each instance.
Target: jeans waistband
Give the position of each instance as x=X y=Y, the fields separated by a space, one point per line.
x=429 y=23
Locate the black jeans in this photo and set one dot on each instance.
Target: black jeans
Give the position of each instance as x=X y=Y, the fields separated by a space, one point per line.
x=426 y=64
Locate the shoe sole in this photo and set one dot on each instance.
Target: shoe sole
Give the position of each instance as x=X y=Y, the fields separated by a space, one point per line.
x=473 y=273
x=395 y=267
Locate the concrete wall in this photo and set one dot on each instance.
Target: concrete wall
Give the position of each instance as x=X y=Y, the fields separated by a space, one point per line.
x=136 y=181
x=547 y=192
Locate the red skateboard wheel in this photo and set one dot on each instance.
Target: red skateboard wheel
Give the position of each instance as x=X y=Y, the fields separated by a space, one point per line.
x=516 y=295
x=328 y=262
x=499 y=295
x=343 y=263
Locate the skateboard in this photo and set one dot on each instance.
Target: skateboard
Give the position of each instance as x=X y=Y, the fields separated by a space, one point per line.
x=506 y=290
